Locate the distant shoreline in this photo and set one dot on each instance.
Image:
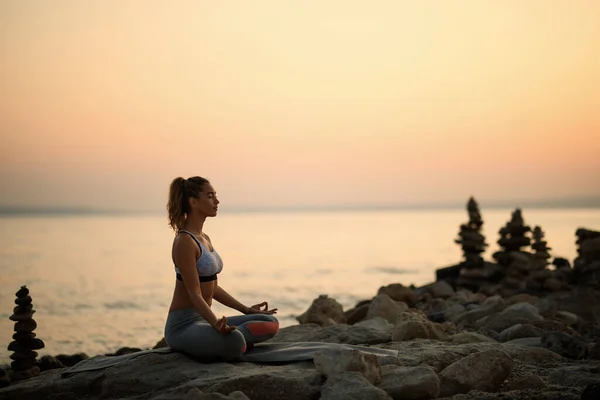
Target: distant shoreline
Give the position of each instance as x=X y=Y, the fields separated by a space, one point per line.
x=587 y=203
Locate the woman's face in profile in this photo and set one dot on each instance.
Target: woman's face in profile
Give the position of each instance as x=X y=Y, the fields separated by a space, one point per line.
x=206 y=203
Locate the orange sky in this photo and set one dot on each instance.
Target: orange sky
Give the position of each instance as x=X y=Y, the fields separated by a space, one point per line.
x=102 y=103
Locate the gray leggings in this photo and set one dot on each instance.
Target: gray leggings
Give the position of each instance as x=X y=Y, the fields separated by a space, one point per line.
x=188 y=332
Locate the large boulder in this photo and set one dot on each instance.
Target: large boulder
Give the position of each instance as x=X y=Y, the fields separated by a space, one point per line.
x=383 y=306
x=323 y=311
x=399 y=292
x=408 y=330
x=351 y=385
x=336 y=362
x=483 y=371
x=410 y=383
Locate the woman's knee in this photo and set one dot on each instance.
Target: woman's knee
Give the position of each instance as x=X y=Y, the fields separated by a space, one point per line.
x=262 y=328
x=265 y=318
x=234 y=345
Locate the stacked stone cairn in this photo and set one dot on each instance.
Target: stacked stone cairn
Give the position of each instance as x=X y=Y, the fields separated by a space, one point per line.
x=541 y=250
x=540 y=276
x=24 y=364
x=513 y=259
x=512 y=238
x=470 y=238
x=586 y=266
x=473 y=244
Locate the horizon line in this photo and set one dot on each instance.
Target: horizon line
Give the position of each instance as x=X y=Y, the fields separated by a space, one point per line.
x=565 y=203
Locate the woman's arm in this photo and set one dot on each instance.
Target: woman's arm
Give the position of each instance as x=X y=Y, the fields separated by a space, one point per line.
x=228 y=300
x=184 y=252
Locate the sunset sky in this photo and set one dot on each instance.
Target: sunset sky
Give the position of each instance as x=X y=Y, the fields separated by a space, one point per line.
x=298 y=103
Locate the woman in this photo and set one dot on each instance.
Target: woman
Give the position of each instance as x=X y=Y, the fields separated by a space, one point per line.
x=191 y=326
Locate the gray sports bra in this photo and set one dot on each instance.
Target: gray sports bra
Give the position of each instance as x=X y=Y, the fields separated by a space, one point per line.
x=208 y=265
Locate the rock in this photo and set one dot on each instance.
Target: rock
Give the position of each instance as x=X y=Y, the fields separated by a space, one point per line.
x=377 y=324
x=408 y=330
x=547 y=307
x=383 y=306
x=552 y=285
x=48 y=362
x=70 y=360
x=22 y=316
x=483 y=371
x=323 y=311
x=399 y=293
x=463 y=296
x=522 y=298
x=435 y=353
x=193 y=393
x=530 y=394
x=526 y=382
x=537 y=355
x=126 y=350
x=351 y=385
x=520 y=331
x=25 y=326
x=349 y=334
x=470 y=337
x=410 y=383
x=433 y=306
x=442 y=289
x=526 y=342
x=565 y=345
x=23 y=364
x=575 y=375
x=296 y=333
x=549 y=325
x=567 y=318
x=24 y=374
x=262 y=382
x=336 y=362
x=522 y=310
x=515 y=314
x=490 y=306
x=452 y=313
x=357 y=314
x=23 y=301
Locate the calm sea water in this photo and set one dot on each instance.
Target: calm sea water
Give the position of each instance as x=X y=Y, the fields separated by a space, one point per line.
x=103 y=282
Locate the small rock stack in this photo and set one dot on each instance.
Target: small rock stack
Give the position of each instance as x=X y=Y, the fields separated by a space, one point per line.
x=470 y=238
x=540 y=248
x=586 y=267
x=512 y=239
x=24 y=363
x=514 y=261
x=540 y=277
x=472 y=269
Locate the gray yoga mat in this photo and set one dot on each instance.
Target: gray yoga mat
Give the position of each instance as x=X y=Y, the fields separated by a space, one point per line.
x=283 y=352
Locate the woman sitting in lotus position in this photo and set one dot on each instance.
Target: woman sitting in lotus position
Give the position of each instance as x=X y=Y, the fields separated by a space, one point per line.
x=191 y=325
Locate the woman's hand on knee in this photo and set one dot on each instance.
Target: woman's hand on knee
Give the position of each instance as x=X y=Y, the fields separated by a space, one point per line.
x=222 y=327
x=261 y=308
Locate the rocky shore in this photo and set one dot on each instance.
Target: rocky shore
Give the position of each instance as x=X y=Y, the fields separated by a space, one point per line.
x=451 y=345
x=521 y=327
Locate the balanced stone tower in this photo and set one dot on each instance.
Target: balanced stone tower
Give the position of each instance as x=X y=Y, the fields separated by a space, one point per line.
x=25 y=343
x=586 y=267
x=512 y=239
x=541 y=250
x=541 y=278
x=470 y=238
x=473 y=270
